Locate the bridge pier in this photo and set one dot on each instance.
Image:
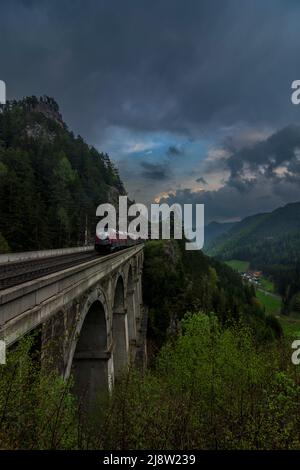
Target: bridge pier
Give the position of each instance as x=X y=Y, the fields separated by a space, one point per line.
x=90 y=359
x=132 y=326
x=90 y=316
x=120 y=342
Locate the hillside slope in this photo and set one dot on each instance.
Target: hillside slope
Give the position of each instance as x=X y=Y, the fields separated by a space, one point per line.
x=263 y=239
x=176 y=281
x=215 y=229
x=50 y=181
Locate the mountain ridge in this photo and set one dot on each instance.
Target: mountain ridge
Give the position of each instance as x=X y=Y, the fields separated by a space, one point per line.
x=215 y=229
x=251 y=239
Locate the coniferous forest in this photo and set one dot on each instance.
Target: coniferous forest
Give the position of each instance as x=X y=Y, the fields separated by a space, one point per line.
x=51 y=182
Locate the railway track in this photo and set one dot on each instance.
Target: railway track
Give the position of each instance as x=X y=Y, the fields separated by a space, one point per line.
x=12 y=274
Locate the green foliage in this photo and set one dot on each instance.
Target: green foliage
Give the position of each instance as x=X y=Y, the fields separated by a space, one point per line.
x=164 y=286
x=176 y=281
x=264 y=239
x=271 y=302
x=295 y=302
x=266 y=284
x=50 y=180
x=212 y=388
x=238 y=265
x=4 y=247
x=37 y=410
x=275 y=325
x=291 y=326
x=271 y=243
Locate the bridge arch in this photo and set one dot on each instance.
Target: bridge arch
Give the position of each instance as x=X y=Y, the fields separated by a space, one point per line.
x=131 y=310
x=93 y=297
x=89 y=358
x=119 y=328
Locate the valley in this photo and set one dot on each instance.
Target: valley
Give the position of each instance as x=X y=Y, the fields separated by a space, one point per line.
x=270 y=301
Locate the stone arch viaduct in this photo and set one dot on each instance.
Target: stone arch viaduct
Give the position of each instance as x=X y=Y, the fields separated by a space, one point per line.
x=90 y=318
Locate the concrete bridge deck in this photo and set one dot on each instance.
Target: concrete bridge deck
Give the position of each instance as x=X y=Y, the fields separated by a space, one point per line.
x=92 y=311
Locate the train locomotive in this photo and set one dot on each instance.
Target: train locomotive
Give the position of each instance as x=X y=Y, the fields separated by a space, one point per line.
x=112 y=240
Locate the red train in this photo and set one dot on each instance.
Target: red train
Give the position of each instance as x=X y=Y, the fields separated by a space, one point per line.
x=106 y=242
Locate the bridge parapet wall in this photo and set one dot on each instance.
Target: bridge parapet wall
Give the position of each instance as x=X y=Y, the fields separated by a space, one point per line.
x=31 y=255
x=89 y=315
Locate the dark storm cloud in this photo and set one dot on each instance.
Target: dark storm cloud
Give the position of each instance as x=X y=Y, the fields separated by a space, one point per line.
x=280 y=148
x=174 y=151
x=230 y=203
x=155 y=171
x=192 y=69
x=261 y=177
x=201 y=180
x=154 y=65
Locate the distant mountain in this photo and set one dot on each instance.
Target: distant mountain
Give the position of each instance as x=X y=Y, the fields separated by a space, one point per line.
x=51 y=181
x=265 y=239
x=214 y=230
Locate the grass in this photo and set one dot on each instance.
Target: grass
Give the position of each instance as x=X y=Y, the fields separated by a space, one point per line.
x=271 y=303
x=266 y=284
x=290 y=325
x=238 y=265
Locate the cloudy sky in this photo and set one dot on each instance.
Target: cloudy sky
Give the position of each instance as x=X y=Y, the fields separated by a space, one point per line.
x=190 y=98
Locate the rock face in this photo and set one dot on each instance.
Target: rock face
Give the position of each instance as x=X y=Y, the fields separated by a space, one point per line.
x=50 y=110
x=172 y=254
x=37 y=131
x=51 y=182
x=113 y=194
